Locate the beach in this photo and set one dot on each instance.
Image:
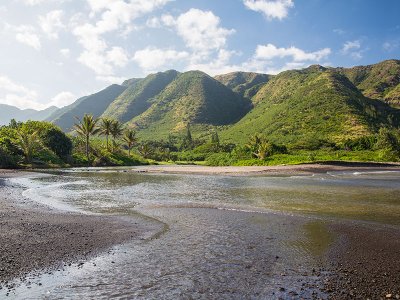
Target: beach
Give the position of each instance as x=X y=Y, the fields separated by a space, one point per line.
x=361 y=260
x=34 y=238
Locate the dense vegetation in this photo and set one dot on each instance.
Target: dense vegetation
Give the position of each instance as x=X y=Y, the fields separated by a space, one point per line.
x=238 y=118
x=43 y=144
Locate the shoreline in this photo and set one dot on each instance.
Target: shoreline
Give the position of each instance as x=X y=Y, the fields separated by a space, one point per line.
x=283 y=170
x=363 y=262
x=36 y=239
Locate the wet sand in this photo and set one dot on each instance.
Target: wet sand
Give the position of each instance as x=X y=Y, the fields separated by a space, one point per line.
x=35 y=239
x=363 y=261
x=303 y=169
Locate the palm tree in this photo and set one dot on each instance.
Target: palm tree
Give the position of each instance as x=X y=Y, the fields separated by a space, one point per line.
x=117 y=129
x=87 y=127
x=28 y=144
x=145 y=150
x=130 y=139
x=106 y=128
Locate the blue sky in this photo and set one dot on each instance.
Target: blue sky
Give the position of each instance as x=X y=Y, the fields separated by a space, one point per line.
x=55 y=51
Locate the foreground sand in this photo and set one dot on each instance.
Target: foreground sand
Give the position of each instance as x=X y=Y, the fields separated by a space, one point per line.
x=363 y=262
x=33 y=238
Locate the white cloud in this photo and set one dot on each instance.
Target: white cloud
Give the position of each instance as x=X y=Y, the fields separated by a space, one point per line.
x=219 y=65
x=152 y=59
x=352 y=48
x=390 y=46
x=351 y=45
x=65 y=52
x=117 y=56
x=200 y=30
x=270 y=51
x=153 y=22
x=111 y=79
x=51 y=23
x=27 y=35
x=34 y=2
x=62 y=99
x=15 y=94
x=109 y=16
x=270 y=8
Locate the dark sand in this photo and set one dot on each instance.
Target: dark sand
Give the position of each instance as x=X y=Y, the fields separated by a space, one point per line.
x=33 y=238
x=362 y=263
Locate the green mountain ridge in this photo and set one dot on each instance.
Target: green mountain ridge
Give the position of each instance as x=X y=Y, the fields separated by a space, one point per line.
x=312 y=104
x=316 y=103
x=192 y=98
x=94 y=104
x=246 y=84
x=138 y=97
x=380 y=81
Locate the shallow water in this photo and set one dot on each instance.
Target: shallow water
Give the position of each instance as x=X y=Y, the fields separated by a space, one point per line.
x=226 y=237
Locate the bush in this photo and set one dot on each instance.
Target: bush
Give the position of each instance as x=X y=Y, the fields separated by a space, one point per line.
x=220 y=159
x=6 y=160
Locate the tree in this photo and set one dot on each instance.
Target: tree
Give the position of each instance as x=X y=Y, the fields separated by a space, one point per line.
x=86 y=128
x=145 y=150
x=51 y=135
x=130 y=139
x=28 y=143
x=106 y=128
x=187 y=142
x=117 y=130
x=215 y=138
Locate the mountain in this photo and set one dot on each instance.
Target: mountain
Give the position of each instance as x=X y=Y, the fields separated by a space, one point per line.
x=380 y=81
x=94 y=104
x=192 y=98
x=138 y=97
x=312 y=104
x=8 y=112
x=246 y=84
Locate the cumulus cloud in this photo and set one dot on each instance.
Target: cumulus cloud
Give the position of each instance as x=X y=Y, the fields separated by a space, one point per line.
x=109 y=16
x=352 y=48
x=34 y=2
x=62 y=99
x=270 y=51
x=26 y=35
x=51 y=23
x=15 y=94
x=65 y=52
x=200 y=30
x=271 y=9
x=152 y=59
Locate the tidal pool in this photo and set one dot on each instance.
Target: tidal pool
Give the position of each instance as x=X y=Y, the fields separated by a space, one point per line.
x=223 y=237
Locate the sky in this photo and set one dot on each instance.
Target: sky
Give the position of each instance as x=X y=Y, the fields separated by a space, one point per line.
x=54 y=51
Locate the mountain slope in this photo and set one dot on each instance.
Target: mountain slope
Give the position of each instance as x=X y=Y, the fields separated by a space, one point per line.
x=246 y=84
x=94 y=104
x=192 y=98
x=312 y=104
x=8 y=112
x=380 y=81
x=139 y=96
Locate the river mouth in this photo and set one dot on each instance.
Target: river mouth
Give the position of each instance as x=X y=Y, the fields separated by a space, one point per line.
x=224 y=236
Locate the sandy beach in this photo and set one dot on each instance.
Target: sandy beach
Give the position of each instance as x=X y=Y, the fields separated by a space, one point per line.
x=303 y=169
x=363 y=262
